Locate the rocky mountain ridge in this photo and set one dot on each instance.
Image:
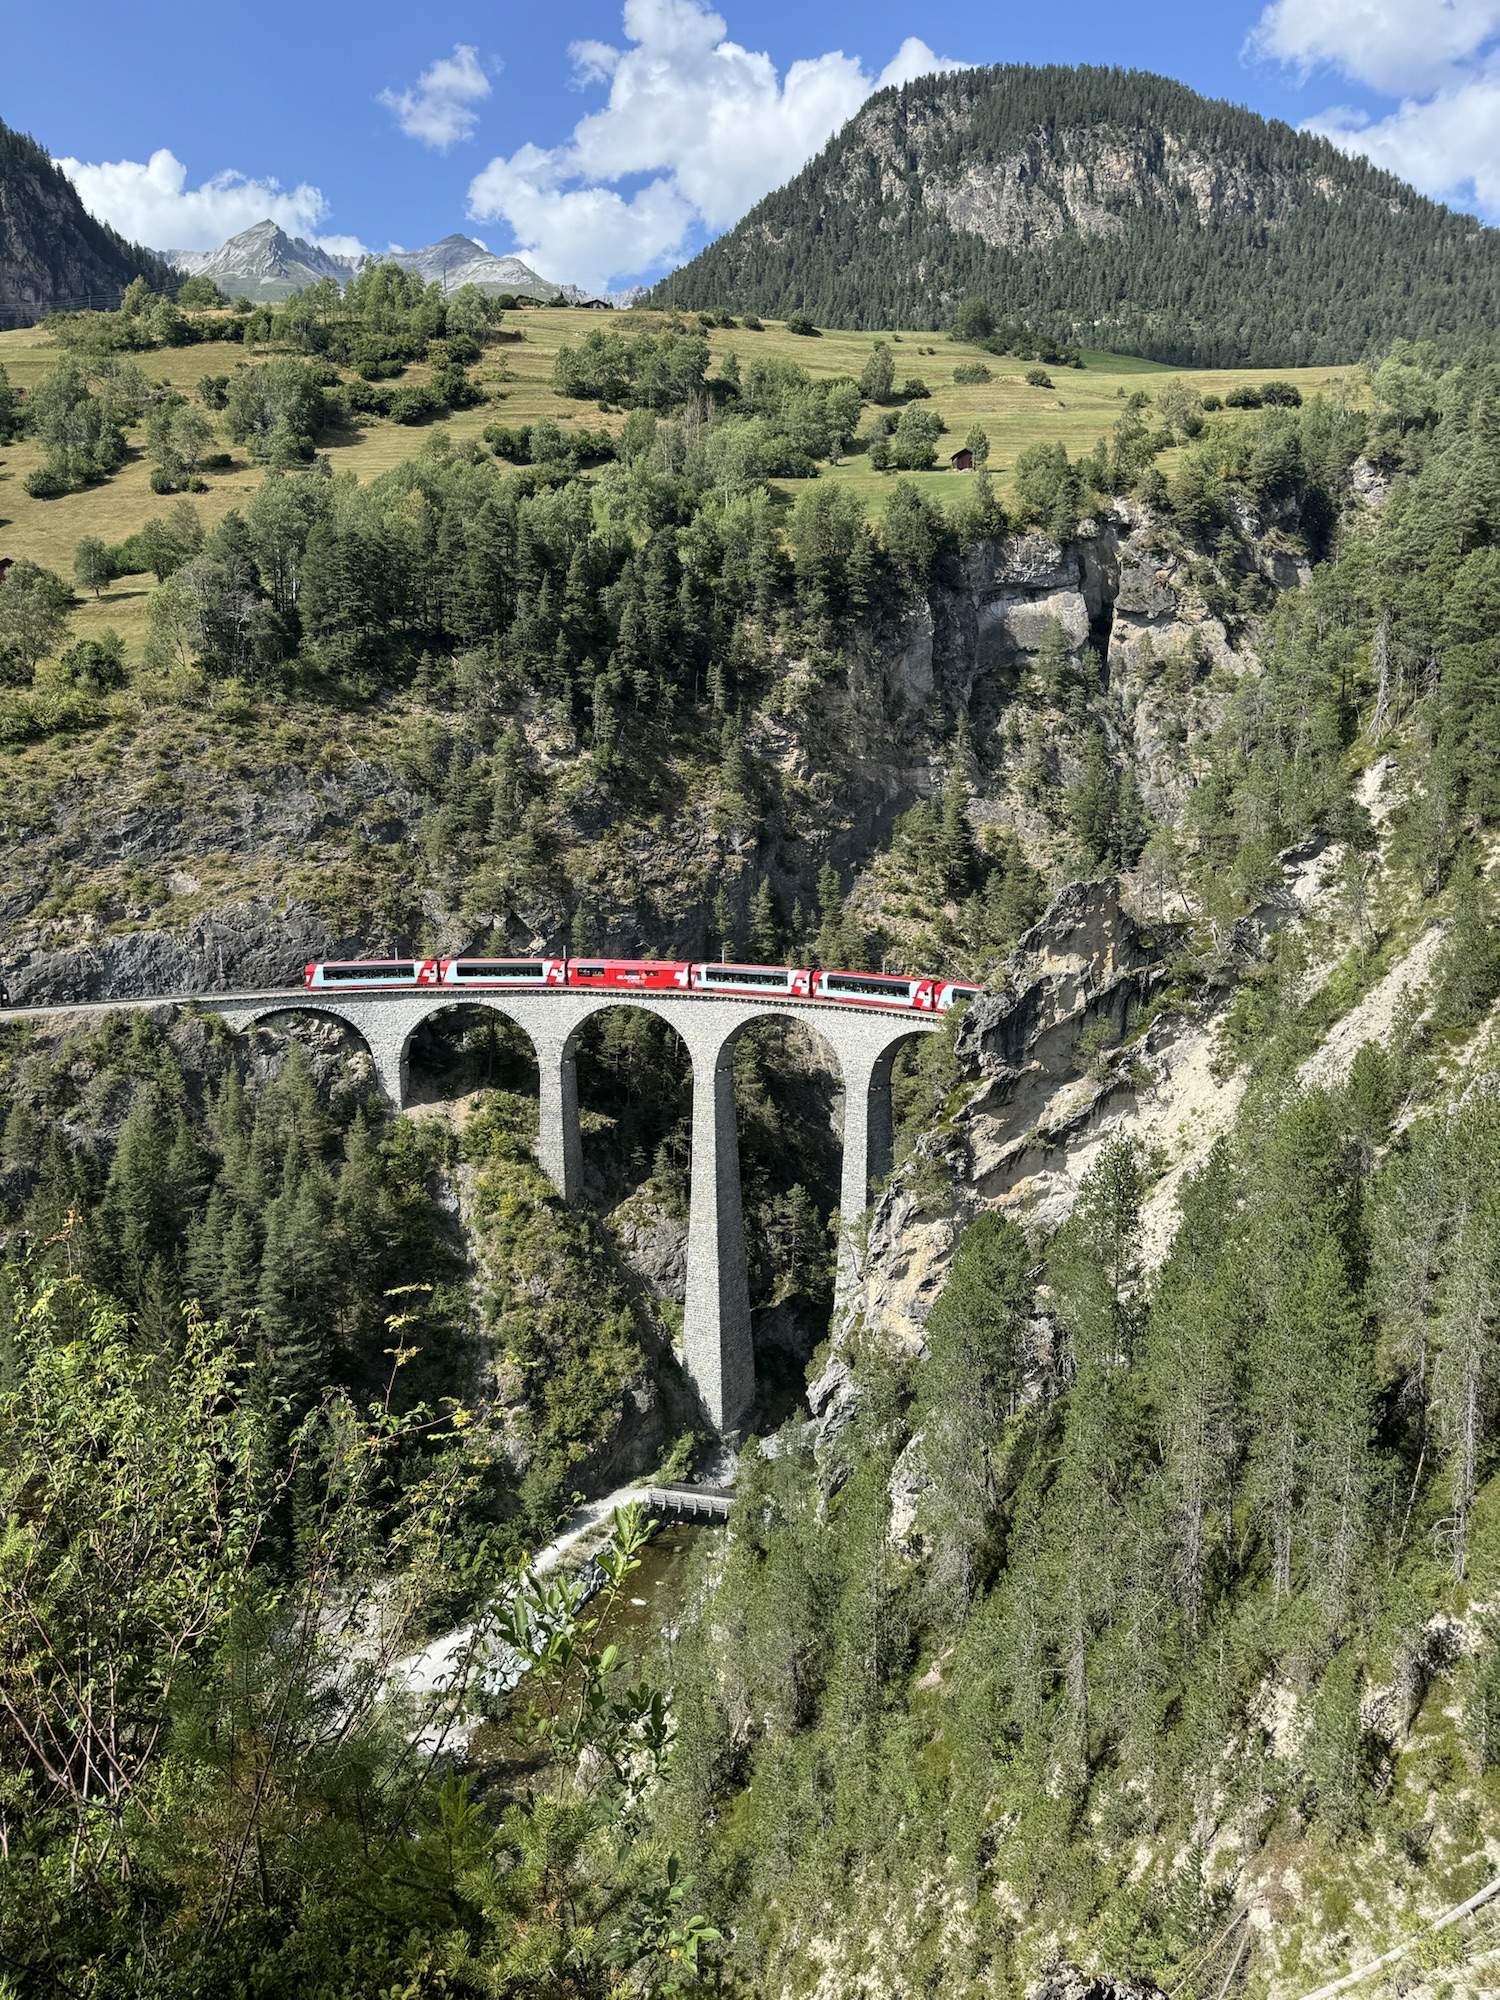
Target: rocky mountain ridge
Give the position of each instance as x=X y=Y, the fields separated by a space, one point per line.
x=1115 y=208
x=265 y=264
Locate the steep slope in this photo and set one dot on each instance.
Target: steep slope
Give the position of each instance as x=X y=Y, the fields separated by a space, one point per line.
x=53 y=254
x=1116 y=207
x=264 y=264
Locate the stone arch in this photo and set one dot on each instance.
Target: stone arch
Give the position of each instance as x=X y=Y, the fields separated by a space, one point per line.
x=454 y=1000
x=717 y=1352
x=386 y=1078
x=628 y=1004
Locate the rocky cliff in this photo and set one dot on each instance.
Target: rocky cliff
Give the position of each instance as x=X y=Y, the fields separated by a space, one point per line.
x=212 y=858
x=246 y=861
x=1116 y=206
x=53 y=254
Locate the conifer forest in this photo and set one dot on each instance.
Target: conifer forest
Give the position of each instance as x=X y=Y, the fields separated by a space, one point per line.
x=1108 y=1606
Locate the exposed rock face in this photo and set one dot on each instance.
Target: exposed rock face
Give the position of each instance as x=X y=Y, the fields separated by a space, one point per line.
x=1019 y=1141
x=233 y=950
x=1086 y=180
x=53 y=254
x=1071 y=1982
x=653 y=1243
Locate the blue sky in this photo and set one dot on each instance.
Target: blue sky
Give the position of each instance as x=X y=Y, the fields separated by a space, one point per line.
x=608 y=142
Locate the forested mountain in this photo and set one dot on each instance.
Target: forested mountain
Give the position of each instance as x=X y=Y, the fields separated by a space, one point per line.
x=1120 y=1578
x=1115 y=208
x=53 y=254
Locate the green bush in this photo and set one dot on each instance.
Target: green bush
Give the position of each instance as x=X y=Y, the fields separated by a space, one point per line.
x=46 y=483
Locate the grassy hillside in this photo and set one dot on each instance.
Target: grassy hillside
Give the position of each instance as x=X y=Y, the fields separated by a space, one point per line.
x=1080 y=406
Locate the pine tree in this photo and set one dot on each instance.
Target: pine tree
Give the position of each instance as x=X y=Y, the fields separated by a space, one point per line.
x=138 y=1219
x=955 y=840
x=765 y=924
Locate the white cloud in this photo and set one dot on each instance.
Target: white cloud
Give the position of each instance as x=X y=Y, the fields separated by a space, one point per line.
x=1397 y=47
x=710 y=122
x=151 y=202
x=439 y=108
x=1448 y=144
x=1439 y=57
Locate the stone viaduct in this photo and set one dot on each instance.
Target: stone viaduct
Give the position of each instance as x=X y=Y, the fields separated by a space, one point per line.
x=717 y=1353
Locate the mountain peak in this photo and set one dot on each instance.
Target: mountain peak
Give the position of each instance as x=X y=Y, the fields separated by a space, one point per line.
x=1111 y=209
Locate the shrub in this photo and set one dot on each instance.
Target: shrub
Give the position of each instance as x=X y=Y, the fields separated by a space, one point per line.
x=970 y=374
x=914 y=389
x=46 y=483
x=1243 y=398
x=162 y=481
x=414 y=406
x=200 y=290
x=1281 y=395
x=1213 y=402
x=751 y=323
x=800 y=322
x=1038 y=378
x=913 y=445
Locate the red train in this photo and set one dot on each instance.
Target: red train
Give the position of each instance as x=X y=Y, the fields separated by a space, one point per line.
x=921 y=994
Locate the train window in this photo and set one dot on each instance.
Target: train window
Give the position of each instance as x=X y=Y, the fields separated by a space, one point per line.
x=588 y=971
x=500 y=968
x=883 y=989
x=745 y=975
x=404 y=971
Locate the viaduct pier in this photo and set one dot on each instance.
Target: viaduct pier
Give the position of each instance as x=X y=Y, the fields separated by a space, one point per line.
x=717 y=1352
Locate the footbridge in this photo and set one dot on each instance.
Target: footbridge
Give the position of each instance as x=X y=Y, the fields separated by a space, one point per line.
x=717 y=1351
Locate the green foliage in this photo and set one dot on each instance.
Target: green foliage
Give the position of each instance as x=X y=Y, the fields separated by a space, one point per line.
x=276 y=408
x=878 y=378
x=34 y=609
x=1067 y=1554
x=653 y=371
x=856 y=240
x=206 y=1786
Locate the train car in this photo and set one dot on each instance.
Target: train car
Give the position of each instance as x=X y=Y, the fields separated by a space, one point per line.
x=795 y=981
x=920 y=995
x=950 y=991
x=874 y=989
x=508 y=972
x=651 y=975
x=361 y=974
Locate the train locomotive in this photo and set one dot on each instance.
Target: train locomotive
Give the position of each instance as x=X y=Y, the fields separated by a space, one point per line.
x=921 y=993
